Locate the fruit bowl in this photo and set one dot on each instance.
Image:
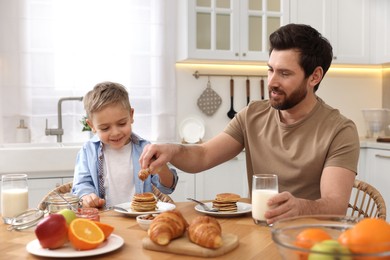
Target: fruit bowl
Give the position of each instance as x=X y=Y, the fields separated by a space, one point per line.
x=287 y=232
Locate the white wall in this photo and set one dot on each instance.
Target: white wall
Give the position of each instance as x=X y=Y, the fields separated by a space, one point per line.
x=348 y=90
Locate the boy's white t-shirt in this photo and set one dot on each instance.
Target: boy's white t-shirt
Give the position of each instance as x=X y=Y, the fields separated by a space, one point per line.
x=118 y=175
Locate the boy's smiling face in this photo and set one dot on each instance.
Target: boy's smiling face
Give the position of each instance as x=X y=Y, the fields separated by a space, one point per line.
x=113 y=125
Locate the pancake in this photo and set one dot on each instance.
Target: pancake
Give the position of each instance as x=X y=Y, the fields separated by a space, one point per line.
x=143 y=202
x=227 y=197
x=226 y=201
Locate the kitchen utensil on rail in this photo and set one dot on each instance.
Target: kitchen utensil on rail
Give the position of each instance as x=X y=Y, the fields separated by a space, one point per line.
x=209 y=101
x=248 y=91
x=231 y=112
x=262 y=88
x=204 y=206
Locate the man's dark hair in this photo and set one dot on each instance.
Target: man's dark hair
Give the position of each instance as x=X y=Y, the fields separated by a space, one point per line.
x=315 y=50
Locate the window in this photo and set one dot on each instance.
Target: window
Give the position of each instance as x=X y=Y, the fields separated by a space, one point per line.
x=65 y=47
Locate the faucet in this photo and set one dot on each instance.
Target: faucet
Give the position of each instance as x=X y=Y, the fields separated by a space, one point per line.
x=59 y=131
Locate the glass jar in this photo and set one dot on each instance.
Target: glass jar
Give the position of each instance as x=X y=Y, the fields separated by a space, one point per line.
x=88 y=213
x=55 y=203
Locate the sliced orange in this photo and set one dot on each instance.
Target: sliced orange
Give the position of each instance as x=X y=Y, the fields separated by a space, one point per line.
x=84 y=234
x=106 y=228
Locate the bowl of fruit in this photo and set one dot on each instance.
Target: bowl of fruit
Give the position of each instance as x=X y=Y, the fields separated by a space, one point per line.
x=332 y=237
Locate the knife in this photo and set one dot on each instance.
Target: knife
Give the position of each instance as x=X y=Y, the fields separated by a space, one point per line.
x=248 y=91
x=262 y=88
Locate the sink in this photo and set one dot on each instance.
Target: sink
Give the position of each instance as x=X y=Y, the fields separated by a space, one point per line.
x=38 y=157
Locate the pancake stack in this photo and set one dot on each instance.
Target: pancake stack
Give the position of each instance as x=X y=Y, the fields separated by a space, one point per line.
x=143 y=202
x=226 y=201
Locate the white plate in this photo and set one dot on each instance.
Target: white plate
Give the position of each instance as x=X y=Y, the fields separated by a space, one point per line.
x=191 y=130
x=242 y=208
x=161 y=207
x=112 y=243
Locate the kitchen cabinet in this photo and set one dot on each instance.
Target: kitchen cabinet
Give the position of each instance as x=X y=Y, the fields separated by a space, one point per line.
x=230 y=176
x=185 y=187
x=234 y=30
x=377 y=171
x=380 y=13
x=227 y=177
x=346 y=24
x=39 y=187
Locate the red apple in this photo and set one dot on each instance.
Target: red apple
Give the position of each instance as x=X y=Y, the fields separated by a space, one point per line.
x=52 y=231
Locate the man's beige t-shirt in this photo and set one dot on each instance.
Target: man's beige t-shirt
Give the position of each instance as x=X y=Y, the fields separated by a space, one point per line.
x=299 y=152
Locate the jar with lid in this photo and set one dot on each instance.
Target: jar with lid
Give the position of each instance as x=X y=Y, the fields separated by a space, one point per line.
x=54 y=203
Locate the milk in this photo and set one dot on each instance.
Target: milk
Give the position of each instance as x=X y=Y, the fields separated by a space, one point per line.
x=259 y=202
x=13 y=202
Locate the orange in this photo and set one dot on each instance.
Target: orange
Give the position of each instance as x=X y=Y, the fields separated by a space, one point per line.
x=345 y=238
x=370 y=235
x=308 y=237
x=107 y=229
x=84 y=234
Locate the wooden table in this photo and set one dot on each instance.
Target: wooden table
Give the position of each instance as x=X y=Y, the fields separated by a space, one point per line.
x=255 y=242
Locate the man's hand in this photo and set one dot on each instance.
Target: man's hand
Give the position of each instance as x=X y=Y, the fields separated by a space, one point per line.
x=283 y=205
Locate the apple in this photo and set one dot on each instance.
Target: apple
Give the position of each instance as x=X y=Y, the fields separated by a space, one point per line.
x=52 y=231
x=69 y=215
x=329 y=247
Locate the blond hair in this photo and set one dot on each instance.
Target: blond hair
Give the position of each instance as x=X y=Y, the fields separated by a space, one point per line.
x=105 y=94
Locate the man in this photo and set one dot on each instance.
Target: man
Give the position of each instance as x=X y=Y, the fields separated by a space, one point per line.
x=312 y=148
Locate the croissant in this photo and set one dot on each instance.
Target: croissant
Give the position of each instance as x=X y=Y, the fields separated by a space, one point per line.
x=167 y=226
x=205 y=231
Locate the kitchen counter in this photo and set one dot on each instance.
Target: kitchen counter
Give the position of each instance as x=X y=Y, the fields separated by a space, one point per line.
x=255 y=242
x=372 y=143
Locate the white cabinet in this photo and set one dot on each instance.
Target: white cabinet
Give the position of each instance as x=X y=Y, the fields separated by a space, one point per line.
x=235 y=30
x=378 y=171
x=185 y=187
x=38 y=188
x=230 y=176
x=346 y=24
x=380 y=26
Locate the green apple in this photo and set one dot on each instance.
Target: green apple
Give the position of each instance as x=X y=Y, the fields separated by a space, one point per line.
x=69 y=215
x=331 y=249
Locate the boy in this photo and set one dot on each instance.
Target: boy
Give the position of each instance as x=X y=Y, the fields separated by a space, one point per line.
x=106 y=171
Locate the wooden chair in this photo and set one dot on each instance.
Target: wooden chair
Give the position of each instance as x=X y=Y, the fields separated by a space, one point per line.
x=366 y=201
x=67 y=187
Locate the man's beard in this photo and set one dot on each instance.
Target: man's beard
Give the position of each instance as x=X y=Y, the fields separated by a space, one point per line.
x=289 y=102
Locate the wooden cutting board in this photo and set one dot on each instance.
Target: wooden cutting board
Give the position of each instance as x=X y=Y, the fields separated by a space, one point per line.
x=184 y=246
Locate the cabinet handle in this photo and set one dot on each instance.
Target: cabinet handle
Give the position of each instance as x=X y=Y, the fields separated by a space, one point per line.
x=236 y=54
x=382 y=156
x=335 y=57
x=244 y=54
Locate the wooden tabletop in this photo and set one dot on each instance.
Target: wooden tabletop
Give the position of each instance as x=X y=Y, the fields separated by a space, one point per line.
x=255 y=242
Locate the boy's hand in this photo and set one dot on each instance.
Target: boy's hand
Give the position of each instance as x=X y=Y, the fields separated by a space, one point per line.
x=92 y=201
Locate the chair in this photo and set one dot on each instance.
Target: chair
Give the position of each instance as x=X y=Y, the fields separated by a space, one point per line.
x=366 y=201
x=67 y=187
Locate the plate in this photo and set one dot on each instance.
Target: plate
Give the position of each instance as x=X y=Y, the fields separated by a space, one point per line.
x=242 y=208
x=112 y=243
x=161 y=207
x=191 y=130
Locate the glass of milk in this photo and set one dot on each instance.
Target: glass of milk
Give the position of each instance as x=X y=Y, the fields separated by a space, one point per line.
x=14 y=196
x=264 y=186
